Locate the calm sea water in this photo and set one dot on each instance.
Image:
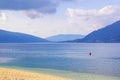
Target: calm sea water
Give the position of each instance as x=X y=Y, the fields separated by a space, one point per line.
x=74 y=57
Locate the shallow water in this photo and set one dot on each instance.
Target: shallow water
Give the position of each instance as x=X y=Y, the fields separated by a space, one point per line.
x=105 y=59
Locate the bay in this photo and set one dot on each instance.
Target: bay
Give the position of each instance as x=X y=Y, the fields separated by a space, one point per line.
x=105 y=58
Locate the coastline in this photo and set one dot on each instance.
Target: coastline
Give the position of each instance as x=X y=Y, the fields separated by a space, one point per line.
x=51 y=74
x=14 y=74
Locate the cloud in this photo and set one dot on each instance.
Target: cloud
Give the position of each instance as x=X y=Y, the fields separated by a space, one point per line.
x=3 y=16
x=34 y=7
x=93 y=19
x=33 y=14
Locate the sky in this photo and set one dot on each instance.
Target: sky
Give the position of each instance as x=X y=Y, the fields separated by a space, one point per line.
x=44 y=18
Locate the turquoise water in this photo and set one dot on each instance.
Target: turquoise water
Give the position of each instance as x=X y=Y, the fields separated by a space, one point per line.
x=105 y=59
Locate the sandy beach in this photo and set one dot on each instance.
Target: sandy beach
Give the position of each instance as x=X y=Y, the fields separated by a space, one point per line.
x=13 y=74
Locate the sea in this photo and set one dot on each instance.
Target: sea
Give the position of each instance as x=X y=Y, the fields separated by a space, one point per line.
x=74 y=57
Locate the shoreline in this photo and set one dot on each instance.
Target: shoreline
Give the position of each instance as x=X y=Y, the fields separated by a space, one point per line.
x=60 y=74
x=14 y=74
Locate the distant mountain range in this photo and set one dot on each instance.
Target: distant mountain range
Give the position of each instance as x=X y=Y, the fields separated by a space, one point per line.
x=14 y=37
x=110 y=33
x=65 y=37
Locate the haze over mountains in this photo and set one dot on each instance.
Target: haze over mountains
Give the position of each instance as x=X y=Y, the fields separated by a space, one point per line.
x=110 y=33
x=14 y=37
x=65 y=37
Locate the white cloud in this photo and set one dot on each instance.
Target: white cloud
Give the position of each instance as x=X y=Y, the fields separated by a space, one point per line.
x=3 y=16
x=33 y=14
x=89 y=20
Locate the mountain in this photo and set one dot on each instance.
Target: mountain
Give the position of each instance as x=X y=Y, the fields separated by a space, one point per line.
x=14 y=37
x=110 y=33
x=64 y=37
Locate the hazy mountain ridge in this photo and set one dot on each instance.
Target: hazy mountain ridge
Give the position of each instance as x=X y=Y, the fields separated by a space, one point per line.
x=110 y=33
x=15 y=37
x=64 y=37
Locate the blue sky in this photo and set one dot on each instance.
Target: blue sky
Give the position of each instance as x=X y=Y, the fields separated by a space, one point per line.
x=45 y=18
